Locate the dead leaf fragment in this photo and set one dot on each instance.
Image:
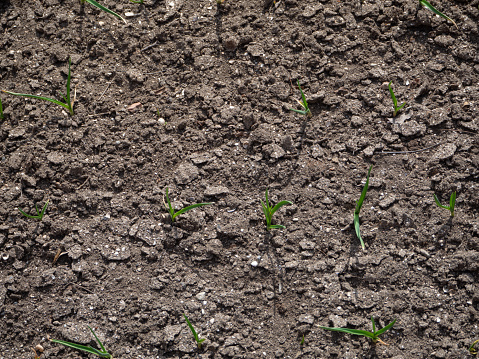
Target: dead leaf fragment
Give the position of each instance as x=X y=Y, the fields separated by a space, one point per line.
x=133 y=106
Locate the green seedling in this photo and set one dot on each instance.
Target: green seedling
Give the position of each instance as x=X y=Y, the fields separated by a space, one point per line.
x=358 y=209
x=472 y=349
x=302 y=341
x=171 y=210
x=452 y=203
x=137 y=2
x=39 y=215
x=68 y=103
x=303 y=103
x=374 y=335
x=437 y=12
x=197 y=338
x=101 y=353
x=269 y=211
x=101 y=7
x=395 y=102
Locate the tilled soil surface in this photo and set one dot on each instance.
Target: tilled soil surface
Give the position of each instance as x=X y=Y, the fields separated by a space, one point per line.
x=196 y=97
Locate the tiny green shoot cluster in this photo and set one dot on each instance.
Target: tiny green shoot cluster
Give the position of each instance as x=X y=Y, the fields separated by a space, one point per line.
x=101 y=7
x=193 y=331
x=39 y=215
x=68 y=104
x=268 y=211
x=434 y=10
x=359 y=204
x=101 y=353
x=395 y=102
x=472 y=349
x=452 y=203
x=303 y=103
x=374 y=335
x=171 y=210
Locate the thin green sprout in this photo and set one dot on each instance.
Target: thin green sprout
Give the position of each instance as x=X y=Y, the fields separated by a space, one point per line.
x=303 y=103
x=195 y=335
x=472 y=349
x=174 y=214
x=101 y=353
x=358 y=209
x=302 y=341
x=137 y=2
x=39 y=215
x=68 y=103
x=101 y=7
x=269 y=211
x=452 y=203
x=395 y=102
x=437 y=12
x=374 y=335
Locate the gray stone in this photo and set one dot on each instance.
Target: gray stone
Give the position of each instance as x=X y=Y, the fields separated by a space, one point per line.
x=186 y=173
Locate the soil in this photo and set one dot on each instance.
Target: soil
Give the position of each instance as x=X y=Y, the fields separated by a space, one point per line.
x=196 y=97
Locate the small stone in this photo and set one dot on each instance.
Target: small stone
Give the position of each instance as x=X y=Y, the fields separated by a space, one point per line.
x=55 y=158
x=212 y=191
x=231 y=43
x=255 y=50
x=39 y=348
x=254 y=264
x=306 y=318
x=386 y=202
x=445 y=151
x=201 y=296
x=186 y=173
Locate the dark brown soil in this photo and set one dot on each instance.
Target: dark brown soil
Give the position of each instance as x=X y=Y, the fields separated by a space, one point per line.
x=196 y=97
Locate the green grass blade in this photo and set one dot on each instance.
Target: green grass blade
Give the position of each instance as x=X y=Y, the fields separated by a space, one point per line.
x=87 y=349
x=27 y=215
x=350 y=331
x=183 y=210
x=42 y=213
x=358 y=232
x=400 y=107
x=439 y=203
x=303 y=97
x=452 y=203
x=39 y=98
x=359 y=203
x=374 y=326
x=267 y=199
x=68 y=101
x=473 y=350
x=276 y=226
x=170 y=209
x=191 y=327
x=101 y=7
x=437 y=12
x=395 y=102
x=299 y=111
x=279 y=205
x=98 y=340
x=387 y=327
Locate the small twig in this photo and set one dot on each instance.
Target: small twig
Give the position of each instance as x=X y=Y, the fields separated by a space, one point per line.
x=84 y=183
x=107 y=87
x=402 y=152
x=149 y=46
